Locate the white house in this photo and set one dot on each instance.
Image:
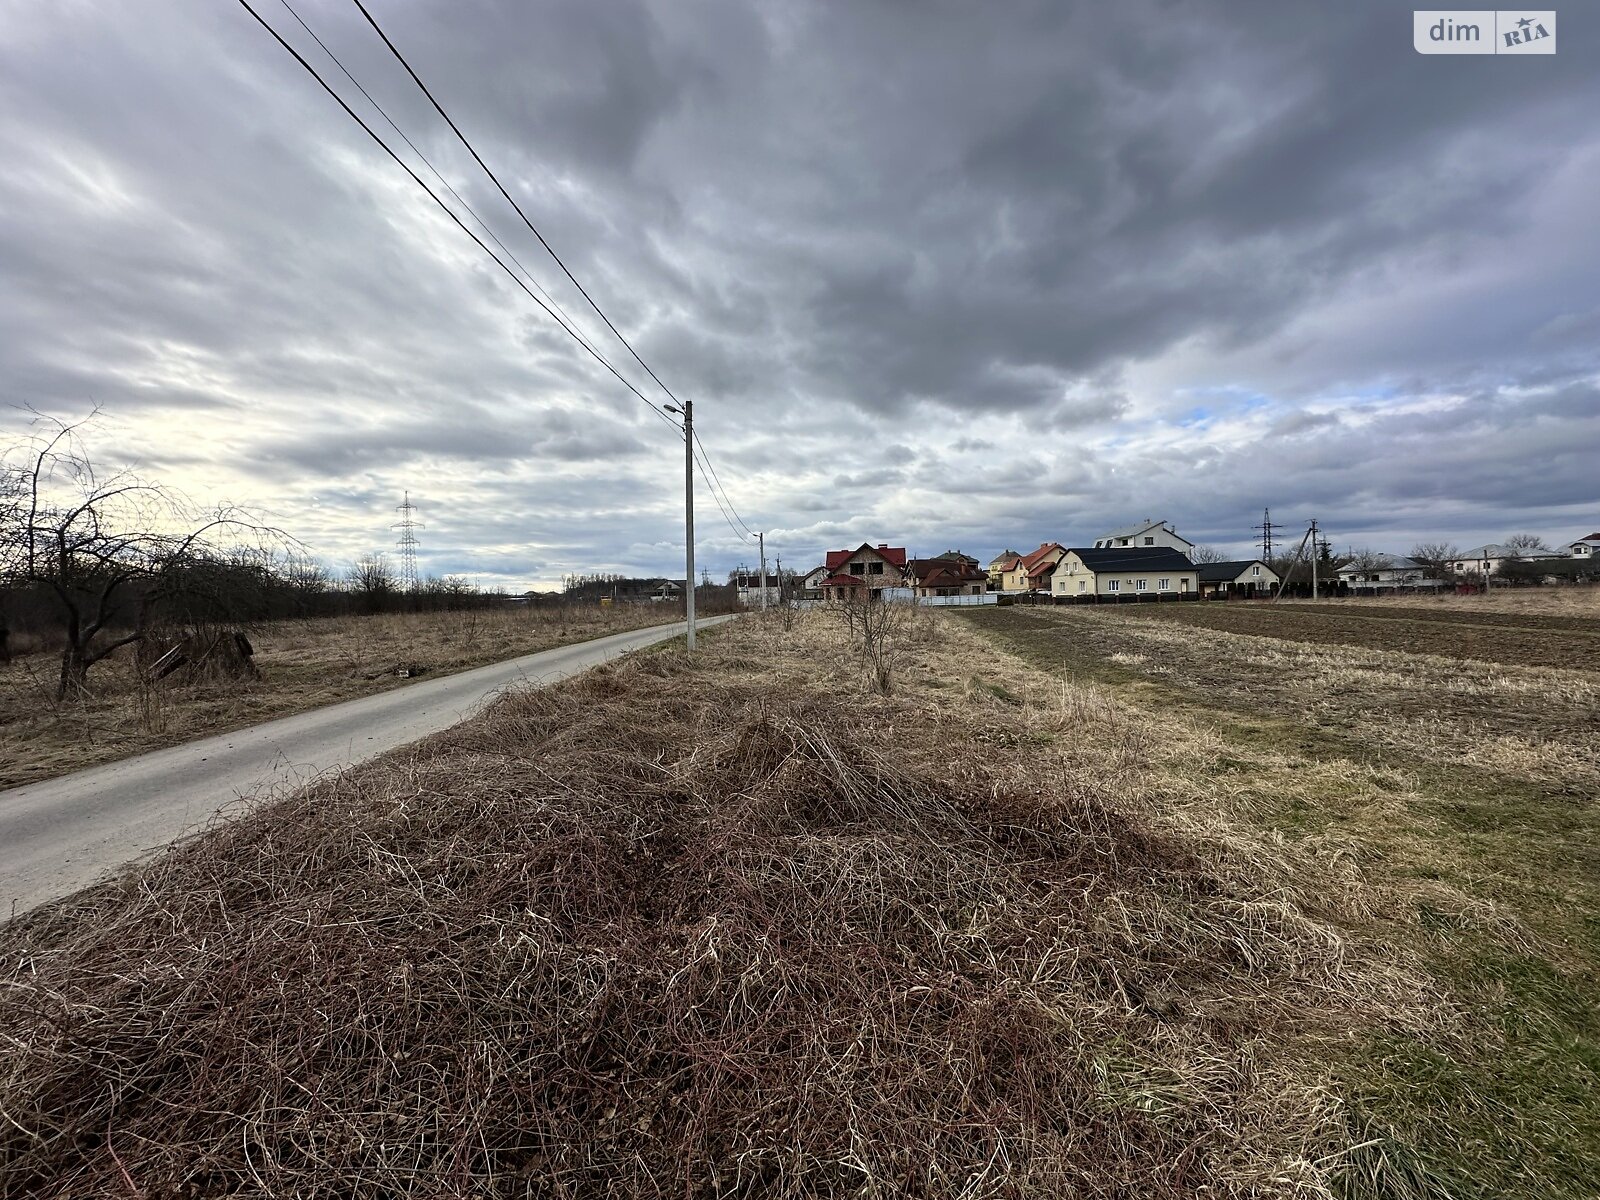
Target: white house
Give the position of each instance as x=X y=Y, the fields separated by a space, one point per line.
x=1119 y=574
x=752 y=590
x=1145 y=536
x=1585 y=547
x=1382 y=571
x=1244 y=576
x=810 y=584
x=1486 y=560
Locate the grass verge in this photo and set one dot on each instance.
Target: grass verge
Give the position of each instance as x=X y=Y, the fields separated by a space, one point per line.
x=729 y=926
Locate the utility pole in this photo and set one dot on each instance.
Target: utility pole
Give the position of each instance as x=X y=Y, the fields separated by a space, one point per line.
x=780 y=581
x=688 y=515
x=1266 y=538
x=761 y=540
x=1313 y=558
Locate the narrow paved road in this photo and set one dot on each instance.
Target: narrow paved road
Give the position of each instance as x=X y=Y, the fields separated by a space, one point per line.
x=61 y=834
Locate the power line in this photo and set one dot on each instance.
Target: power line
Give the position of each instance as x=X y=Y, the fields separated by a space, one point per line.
x=417 y=179
x=706 y=458
x=482 y=224
x=439 y=108
x=705 y=465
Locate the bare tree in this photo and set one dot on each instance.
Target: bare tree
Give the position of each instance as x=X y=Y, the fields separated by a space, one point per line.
x=373 y=581
x=105 y=549
x=1523 y=542
x=1436 y=557
x=1207 y=554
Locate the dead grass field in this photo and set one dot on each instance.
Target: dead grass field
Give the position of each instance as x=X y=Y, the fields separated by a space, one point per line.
x=304 y=664
x=1427 y=770
x=738 y=926
x=1527 y=637
x=1570 y=600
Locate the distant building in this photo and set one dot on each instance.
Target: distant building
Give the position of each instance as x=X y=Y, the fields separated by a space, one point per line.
x=1144 y=536
x=1032 y=572
x=1246 y=577
x=865 y=570
x=1091 y=571
x=1380 y=572
x=999 y=565
x=1487 y=560
x=1585 y=547
x=932 y=577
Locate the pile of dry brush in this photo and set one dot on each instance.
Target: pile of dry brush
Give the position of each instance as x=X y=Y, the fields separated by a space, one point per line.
x=664 y=930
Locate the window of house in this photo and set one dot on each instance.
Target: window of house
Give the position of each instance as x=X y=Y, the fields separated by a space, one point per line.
x=1122 y=541
x=1149 y=541
x=875 y=568
x=1083 y=585
x=1141 y=585
x=1165 y=585
x=857 y=568
x=1113 y=585
x=1255 y=570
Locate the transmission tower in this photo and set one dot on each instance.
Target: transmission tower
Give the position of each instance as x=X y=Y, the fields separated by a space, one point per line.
x=1265 y=538
x=406 y=543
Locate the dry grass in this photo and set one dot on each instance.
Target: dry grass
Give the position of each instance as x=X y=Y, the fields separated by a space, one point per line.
x=304 y=664
x=1566 y=600
x=1468 y=798
x=731 y=927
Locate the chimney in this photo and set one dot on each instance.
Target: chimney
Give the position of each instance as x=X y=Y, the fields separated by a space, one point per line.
x=883 y=545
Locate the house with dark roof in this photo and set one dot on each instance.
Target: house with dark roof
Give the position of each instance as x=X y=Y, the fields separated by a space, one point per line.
x=1090 y=572
x=1242 y=577
x=866 y=569
x=929 y=577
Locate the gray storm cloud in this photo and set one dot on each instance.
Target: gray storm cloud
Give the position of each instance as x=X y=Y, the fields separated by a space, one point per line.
x=951 y=275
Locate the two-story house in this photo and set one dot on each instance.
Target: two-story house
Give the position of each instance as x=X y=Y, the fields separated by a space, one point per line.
x=1032 y=572
x=1091 y=571
x=928 y=577
x=1145 y=536
x=999 y=565
x=1585 y=547
x=864 y=570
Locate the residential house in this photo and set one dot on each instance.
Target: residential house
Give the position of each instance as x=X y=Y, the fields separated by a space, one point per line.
x=1585 y=547
x=1382 y=572
x=1144 y=536
x=957 y=557
x=999 y=565
x=1032 y=572
x=752 y=591
x=1119 y=574
x=941 y=576
x=1244 y=577
x=865 y=569
x=1487 y=560
x=810 y=584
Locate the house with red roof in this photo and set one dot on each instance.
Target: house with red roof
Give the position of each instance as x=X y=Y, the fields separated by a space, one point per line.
x=945 y=577
x=863 y=571
x=1034 y=571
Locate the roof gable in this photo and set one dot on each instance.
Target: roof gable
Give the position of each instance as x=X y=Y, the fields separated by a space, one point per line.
x=893 y=555
x=1226 y=572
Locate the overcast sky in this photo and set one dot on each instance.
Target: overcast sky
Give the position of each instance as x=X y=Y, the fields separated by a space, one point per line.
x=963 y=275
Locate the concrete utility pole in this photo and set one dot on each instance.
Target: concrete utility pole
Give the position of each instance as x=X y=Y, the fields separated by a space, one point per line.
x=761 y=540
x=688 y=514
x=1313 y=558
